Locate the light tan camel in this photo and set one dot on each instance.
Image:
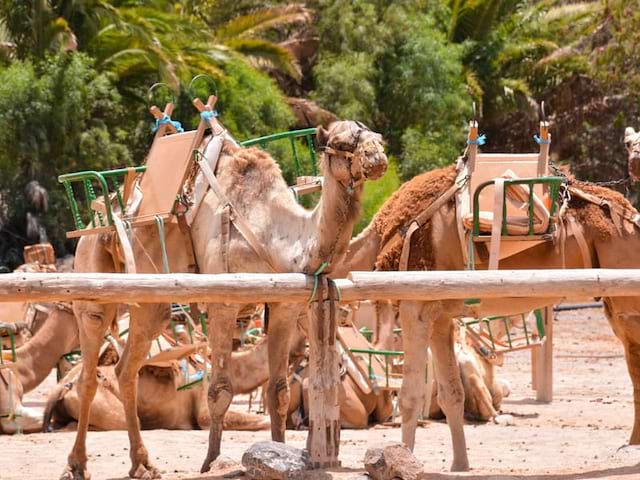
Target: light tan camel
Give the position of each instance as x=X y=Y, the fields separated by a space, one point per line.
x=483 y=392
x=436 y=247
x=160 y=405
x=357 y=408
x=298 y=241
x=34 y=361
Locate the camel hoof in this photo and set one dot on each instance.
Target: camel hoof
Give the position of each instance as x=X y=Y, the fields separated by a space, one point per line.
x=462 y=466
x=145 y=472
x=206 y=466
x=75 y=472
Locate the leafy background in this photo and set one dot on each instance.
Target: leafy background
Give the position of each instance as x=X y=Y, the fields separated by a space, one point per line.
x=74 y=77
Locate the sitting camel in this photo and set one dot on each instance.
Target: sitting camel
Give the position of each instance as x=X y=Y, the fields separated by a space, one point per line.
x=297 y=240
x=609 y=227
x=34 y=361
x=160 y=404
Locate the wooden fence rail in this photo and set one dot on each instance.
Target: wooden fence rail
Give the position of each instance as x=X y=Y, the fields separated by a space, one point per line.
x=295 y=287
x=324 y=435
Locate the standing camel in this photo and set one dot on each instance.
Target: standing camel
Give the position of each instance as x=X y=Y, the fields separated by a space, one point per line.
x=609 y=227
x=297 y=239
x=34 y=361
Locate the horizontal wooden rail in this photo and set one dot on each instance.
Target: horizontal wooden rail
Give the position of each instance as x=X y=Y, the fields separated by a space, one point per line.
x=296 y=287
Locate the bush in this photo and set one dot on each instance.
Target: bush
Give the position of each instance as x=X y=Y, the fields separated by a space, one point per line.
x=56 y=116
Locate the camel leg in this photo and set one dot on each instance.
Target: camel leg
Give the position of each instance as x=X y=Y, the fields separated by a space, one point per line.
x=93 y=321
x=282 y=322
x=450 y=389
x=222 y=319
x=415 y=340
x=142 y=329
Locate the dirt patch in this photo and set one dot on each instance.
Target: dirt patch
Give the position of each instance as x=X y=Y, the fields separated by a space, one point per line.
x=574 y=438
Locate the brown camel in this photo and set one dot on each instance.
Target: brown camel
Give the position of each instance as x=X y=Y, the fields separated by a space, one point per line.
x=436 y=246
x=34 y=361
x=160 y=405
x=298 y=241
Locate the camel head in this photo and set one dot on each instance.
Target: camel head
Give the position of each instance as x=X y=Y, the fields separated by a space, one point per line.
x=353 y=153
x=632 y=142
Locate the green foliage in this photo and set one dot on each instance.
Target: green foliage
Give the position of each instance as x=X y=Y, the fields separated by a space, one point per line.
x=376 y=193
x=57 y=116
x=389 y=65
x=346 y=86
x=250 y=102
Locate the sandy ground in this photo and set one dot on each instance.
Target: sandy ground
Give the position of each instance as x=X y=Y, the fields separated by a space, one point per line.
x=577 y=436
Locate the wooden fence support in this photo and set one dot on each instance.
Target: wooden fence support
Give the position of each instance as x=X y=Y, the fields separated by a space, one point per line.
x=323 y=441
x=544 y=361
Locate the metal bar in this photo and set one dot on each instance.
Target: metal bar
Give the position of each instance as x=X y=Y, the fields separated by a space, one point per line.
x=296 y=160
x=277 y=136
x=531 y=209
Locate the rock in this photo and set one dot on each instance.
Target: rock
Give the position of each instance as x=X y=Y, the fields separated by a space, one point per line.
x=505 y=419
x=275 y=461
x=226 y=467
x=392 y=462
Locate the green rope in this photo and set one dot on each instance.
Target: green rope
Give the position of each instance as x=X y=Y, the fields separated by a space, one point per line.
x=335 y=285
x=316 y=278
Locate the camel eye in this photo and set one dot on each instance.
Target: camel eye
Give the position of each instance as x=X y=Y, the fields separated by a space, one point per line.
x=628 y=145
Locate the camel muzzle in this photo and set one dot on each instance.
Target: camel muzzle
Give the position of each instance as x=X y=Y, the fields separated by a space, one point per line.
x=375 y=168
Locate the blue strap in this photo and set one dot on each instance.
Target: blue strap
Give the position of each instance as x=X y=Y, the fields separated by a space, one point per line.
x=541 y=141
x=207 y=116
x=481 y=140
x=166 y=120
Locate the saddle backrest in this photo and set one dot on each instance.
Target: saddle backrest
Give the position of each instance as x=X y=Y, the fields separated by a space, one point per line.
x=168 y=164
x=483 y=167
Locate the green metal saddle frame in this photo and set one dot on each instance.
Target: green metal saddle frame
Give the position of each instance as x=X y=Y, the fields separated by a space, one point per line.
x=109 y=181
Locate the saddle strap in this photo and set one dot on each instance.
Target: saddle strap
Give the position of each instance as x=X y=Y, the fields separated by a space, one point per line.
x=576 y=230
x=496 y=227
x=617 y=212
x=418 y=222
x=238 y=221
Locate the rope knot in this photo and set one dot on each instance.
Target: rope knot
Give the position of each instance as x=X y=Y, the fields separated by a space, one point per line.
x=166 y=120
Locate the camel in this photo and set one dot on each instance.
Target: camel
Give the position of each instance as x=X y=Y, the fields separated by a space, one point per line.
x=160 y=405
x=298 y=240
x=34 y=361
x=436 y=246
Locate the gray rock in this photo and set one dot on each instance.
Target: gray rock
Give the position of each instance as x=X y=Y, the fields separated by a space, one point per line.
x=275 y=461
x=393 y=462
x=226 y=467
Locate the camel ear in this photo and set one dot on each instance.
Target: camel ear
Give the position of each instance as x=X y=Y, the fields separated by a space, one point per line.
x=629 y=133
x=322 y=137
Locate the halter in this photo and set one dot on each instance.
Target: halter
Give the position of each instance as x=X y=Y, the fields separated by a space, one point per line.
x=358 y=153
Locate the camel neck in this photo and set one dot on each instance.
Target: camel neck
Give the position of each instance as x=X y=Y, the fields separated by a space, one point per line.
x=334 y=218
x=58 y=336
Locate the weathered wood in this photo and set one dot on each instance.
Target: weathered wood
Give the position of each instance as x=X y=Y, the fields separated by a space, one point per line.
x=323 y=441
x=544 y=361
x=296 y=287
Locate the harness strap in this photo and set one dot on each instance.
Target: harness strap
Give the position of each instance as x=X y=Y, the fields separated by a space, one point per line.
x=496 y=227
x=576 y=229
x=225 y=233
x=617 y=212
x=129 y=182
x=418 y=222
x=238 y=221
x=127 y=250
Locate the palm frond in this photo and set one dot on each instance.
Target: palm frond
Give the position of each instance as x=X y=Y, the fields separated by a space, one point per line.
x=267 y=54
x=261 y=20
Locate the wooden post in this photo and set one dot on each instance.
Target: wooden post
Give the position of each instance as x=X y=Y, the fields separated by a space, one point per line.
x=323 y=441
x=544 y=362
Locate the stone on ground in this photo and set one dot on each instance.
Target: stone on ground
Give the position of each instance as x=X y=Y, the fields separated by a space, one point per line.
x=275 y=461
x=392 y=462
x=226 y=467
